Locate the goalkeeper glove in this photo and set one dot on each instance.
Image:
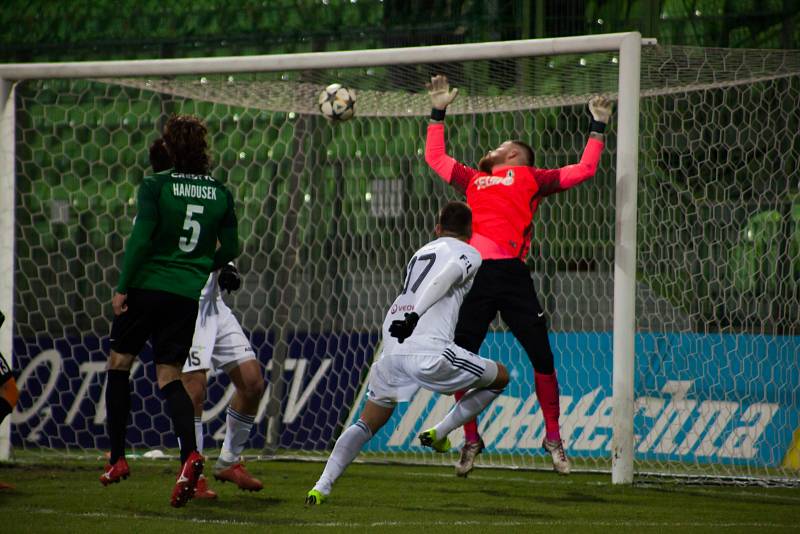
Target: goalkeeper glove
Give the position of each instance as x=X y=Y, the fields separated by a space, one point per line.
x=440 y=92
x=600 y=108
x=402 y=328
x=229 y=279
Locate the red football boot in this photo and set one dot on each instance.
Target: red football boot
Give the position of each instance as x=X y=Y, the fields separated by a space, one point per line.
x=239 y=476
x=186 y=482
x=115 y=473
x=202 y=491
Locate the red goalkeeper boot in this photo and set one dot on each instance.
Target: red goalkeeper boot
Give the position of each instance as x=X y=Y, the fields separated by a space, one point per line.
x=187 y=479
x=115 y=473
x=239 y=476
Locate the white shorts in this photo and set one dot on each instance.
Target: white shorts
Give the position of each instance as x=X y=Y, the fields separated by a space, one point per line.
x=218 y=342
x=397 y=377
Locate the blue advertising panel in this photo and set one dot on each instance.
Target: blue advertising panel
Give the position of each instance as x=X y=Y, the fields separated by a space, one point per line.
x=62 y=389
x=705 y=398
x=700 y=398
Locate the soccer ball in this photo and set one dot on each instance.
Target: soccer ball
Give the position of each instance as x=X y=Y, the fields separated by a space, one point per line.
x=337 y=103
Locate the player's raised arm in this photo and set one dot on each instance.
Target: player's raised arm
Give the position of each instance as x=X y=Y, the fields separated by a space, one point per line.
x=455 y=173
x=556 y=180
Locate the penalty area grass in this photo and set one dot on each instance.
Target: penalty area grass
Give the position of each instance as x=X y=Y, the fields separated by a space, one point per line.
x=67 y=497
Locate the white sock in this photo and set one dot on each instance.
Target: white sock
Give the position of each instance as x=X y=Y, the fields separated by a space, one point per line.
x=198 y=433
x=237 y=432
x=465 y=410
x=344 y=452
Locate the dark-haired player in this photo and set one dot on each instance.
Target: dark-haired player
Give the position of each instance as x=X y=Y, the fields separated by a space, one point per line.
x=504 y=192
x=219 y=343
x=9 y=394
x=418 y=349
x=181 y=215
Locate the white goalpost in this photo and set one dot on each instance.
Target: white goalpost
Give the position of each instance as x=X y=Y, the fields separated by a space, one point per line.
x=657 y=356
x=7 y=239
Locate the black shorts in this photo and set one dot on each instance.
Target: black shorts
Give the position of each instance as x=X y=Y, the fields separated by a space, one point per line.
x=505 y=286
x=165 y=318
x=5 y=371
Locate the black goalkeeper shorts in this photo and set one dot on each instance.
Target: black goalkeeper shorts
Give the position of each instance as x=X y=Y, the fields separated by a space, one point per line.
x=505 y=286
x=165 y=318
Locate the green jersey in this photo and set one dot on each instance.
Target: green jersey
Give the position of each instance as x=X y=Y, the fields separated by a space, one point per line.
x=173 y=246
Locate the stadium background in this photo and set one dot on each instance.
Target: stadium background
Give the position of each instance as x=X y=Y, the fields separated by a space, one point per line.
x=71 y=232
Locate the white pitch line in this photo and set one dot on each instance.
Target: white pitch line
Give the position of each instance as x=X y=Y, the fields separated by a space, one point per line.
x=404 y=524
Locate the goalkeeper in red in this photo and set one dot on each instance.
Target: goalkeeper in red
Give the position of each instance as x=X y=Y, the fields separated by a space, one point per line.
x=504 y=192
x=181 y=215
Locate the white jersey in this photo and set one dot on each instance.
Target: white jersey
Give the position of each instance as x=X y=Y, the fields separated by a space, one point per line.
x=210 y=298
x=437 y=325
x=211 y=289
x=219 y=342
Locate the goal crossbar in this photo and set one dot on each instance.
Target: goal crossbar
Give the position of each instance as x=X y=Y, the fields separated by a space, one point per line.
x=321 y=60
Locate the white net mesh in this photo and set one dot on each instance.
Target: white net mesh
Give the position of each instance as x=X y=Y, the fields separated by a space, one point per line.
x=329 y=215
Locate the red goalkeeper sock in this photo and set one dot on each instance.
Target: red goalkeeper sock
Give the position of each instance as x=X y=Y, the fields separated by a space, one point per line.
x=547 y=393
x=471 y=428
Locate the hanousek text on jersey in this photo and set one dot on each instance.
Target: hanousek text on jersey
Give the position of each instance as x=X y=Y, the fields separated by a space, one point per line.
x=193 y=190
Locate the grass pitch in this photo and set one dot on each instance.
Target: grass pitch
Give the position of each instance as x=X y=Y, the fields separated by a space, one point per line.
x=67 y=497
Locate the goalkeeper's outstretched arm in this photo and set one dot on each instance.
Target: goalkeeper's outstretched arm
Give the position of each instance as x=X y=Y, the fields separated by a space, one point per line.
x=557 y=180
x=453 y=172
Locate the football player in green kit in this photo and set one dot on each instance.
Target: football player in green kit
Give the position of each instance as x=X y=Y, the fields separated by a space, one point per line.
x=181 y=215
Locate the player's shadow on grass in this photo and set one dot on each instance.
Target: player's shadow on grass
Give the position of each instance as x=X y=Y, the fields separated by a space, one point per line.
x=723 y=496
x=465 y=511
x=234 y=502
x=574 y=497
x=66 y=468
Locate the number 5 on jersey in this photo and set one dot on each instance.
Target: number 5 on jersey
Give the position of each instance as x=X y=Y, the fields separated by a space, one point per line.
x=187 y=244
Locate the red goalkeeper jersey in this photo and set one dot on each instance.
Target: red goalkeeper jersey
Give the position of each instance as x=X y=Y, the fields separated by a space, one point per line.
x=503 y=202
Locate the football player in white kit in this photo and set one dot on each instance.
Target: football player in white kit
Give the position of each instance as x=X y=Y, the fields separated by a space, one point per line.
x=220 y=344
x=418 y=349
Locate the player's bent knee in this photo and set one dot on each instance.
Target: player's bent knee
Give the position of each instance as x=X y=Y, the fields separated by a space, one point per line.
x=248 y=379
x=253 y=388
x=118 y=361
x=195 y=384
x=166 y=373
x=375 y=415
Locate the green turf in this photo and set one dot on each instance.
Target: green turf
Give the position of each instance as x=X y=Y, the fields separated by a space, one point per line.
x=68 y=498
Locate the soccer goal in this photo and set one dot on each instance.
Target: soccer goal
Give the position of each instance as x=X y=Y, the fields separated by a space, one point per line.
x=671 y=279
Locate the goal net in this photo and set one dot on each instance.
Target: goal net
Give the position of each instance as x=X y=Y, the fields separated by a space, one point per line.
x=330 y=213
